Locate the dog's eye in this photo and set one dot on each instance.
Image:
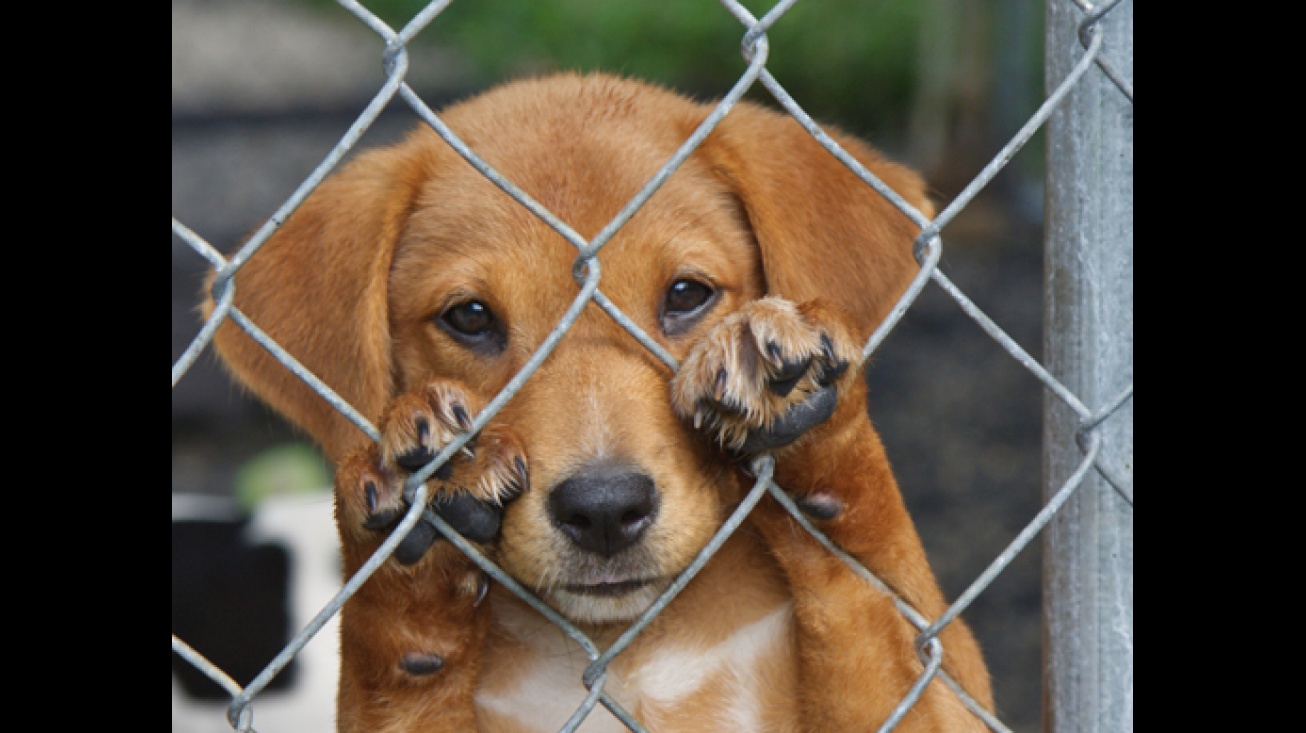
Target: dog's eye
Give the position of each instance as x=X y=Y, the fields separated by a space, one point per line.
x=473 y=323
x=684 y=302
x=470 y=318
x=685 y=296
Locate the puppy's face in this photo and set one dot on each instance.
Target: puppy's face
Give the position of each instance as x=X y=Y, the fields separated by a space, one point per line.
x=623 y=494
x=408 y=265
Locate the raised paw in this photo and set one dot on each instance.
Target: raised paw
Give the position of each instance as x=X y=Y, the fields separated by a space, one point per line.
x=766 y=374
x=468 y=490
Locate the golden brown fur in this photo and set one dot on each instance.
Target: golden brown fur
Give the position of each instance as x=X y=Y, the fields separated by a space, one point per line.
x=360 y=283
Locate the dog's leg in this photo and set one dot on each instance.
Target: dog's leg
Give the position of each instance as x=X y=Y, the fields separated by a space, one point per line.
x=784 y=378
x=412 y=636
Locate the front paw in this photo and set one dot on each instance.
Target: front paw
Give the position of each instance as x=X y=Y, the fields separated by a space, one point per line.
x=767 y=374
x=411 y=635
x=469 y=491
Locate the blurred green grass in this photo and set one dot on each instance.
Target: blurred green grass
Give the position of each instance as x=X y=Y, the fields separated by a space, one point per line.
x=939 y=83
x=855 y=62
x=282 y=470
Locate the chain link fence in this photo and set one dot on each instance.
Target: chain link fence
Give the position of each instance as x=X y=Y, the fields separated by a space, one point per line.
x=1090 y=414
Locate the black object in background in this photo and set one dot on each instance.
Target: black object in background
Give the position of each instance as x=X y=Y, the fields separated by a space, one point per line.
x=230 y=602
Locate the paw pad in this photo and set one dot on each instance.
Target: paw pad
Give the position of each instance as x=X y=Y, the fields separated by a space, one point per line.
x=421 y=664
x=820 y=506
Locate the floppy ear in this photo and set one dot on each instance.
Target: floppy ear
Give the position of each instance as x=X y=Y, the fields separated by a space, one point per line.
x=318 y=288
x=822 y=231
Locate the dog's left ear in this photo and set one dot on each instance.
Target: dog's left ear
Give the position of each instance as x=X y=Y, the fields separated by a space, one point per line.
x=822 y=231
x=318 y=287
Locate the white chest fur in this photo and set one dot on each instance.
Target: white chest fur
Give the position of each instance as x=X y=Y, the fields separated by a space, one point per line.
x=656 y=684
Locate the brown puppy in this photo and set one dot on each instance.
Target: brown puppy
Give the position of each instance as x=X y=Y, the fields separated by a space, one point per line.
x=417 y=290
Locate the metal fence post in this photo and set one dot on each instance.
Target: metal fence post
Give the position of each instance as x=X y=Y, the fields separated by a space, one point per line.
x=1088 y=346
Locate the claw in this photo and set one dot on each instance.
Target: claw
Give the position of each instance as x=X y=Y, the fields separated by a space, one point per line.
x=719 y=385
x=524 y=478
x=460 y=414
x=827 y=348
x=481 y=589
x=377 y=520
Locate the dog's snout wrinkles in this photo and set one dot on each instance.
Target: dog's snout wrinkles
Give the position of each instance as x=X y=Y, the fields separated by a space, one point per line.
x=604 y=512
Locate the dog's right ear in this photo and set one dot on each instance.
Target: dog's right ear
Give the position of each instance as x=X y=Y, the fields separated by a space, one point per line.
x=821 y=231
x=318 y=287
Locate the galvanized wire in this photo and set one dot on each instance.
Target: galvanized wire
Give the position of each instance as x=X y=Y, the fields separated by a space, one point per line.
x=1087 y=28
x=927 y=249
x=220 y=310
x=200 y=662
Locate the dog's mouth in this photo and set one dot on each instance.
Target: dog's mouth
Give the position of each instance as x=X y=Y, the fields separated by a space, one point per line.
x=608 y=597
x=609 y=588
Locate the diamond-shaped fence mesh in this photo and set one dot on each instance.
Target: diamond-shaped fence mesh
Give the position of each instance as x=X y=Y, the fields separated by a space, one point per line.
x=1090 y=409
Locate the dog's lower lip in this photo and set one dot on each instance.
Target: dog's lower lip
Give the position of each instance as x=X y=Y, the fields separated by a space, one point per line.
x=614 y=588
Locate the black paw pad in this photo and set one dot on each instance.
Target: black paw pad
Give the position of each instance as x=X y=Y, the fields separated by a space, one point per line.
x=790 y=426
x=470 y=517
x=382 y=519
x=414 y=546
x=820 y=506
x=416 y=458
x=420 y=456
x=420 y=664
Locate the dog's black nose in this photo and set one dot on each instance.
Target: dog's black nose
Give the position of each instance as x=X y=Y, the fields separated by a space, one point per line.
x=604 y=511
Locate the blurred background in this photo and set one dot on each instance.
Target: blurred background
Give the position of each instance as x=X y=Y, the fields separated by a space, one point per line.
x=262 y=90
